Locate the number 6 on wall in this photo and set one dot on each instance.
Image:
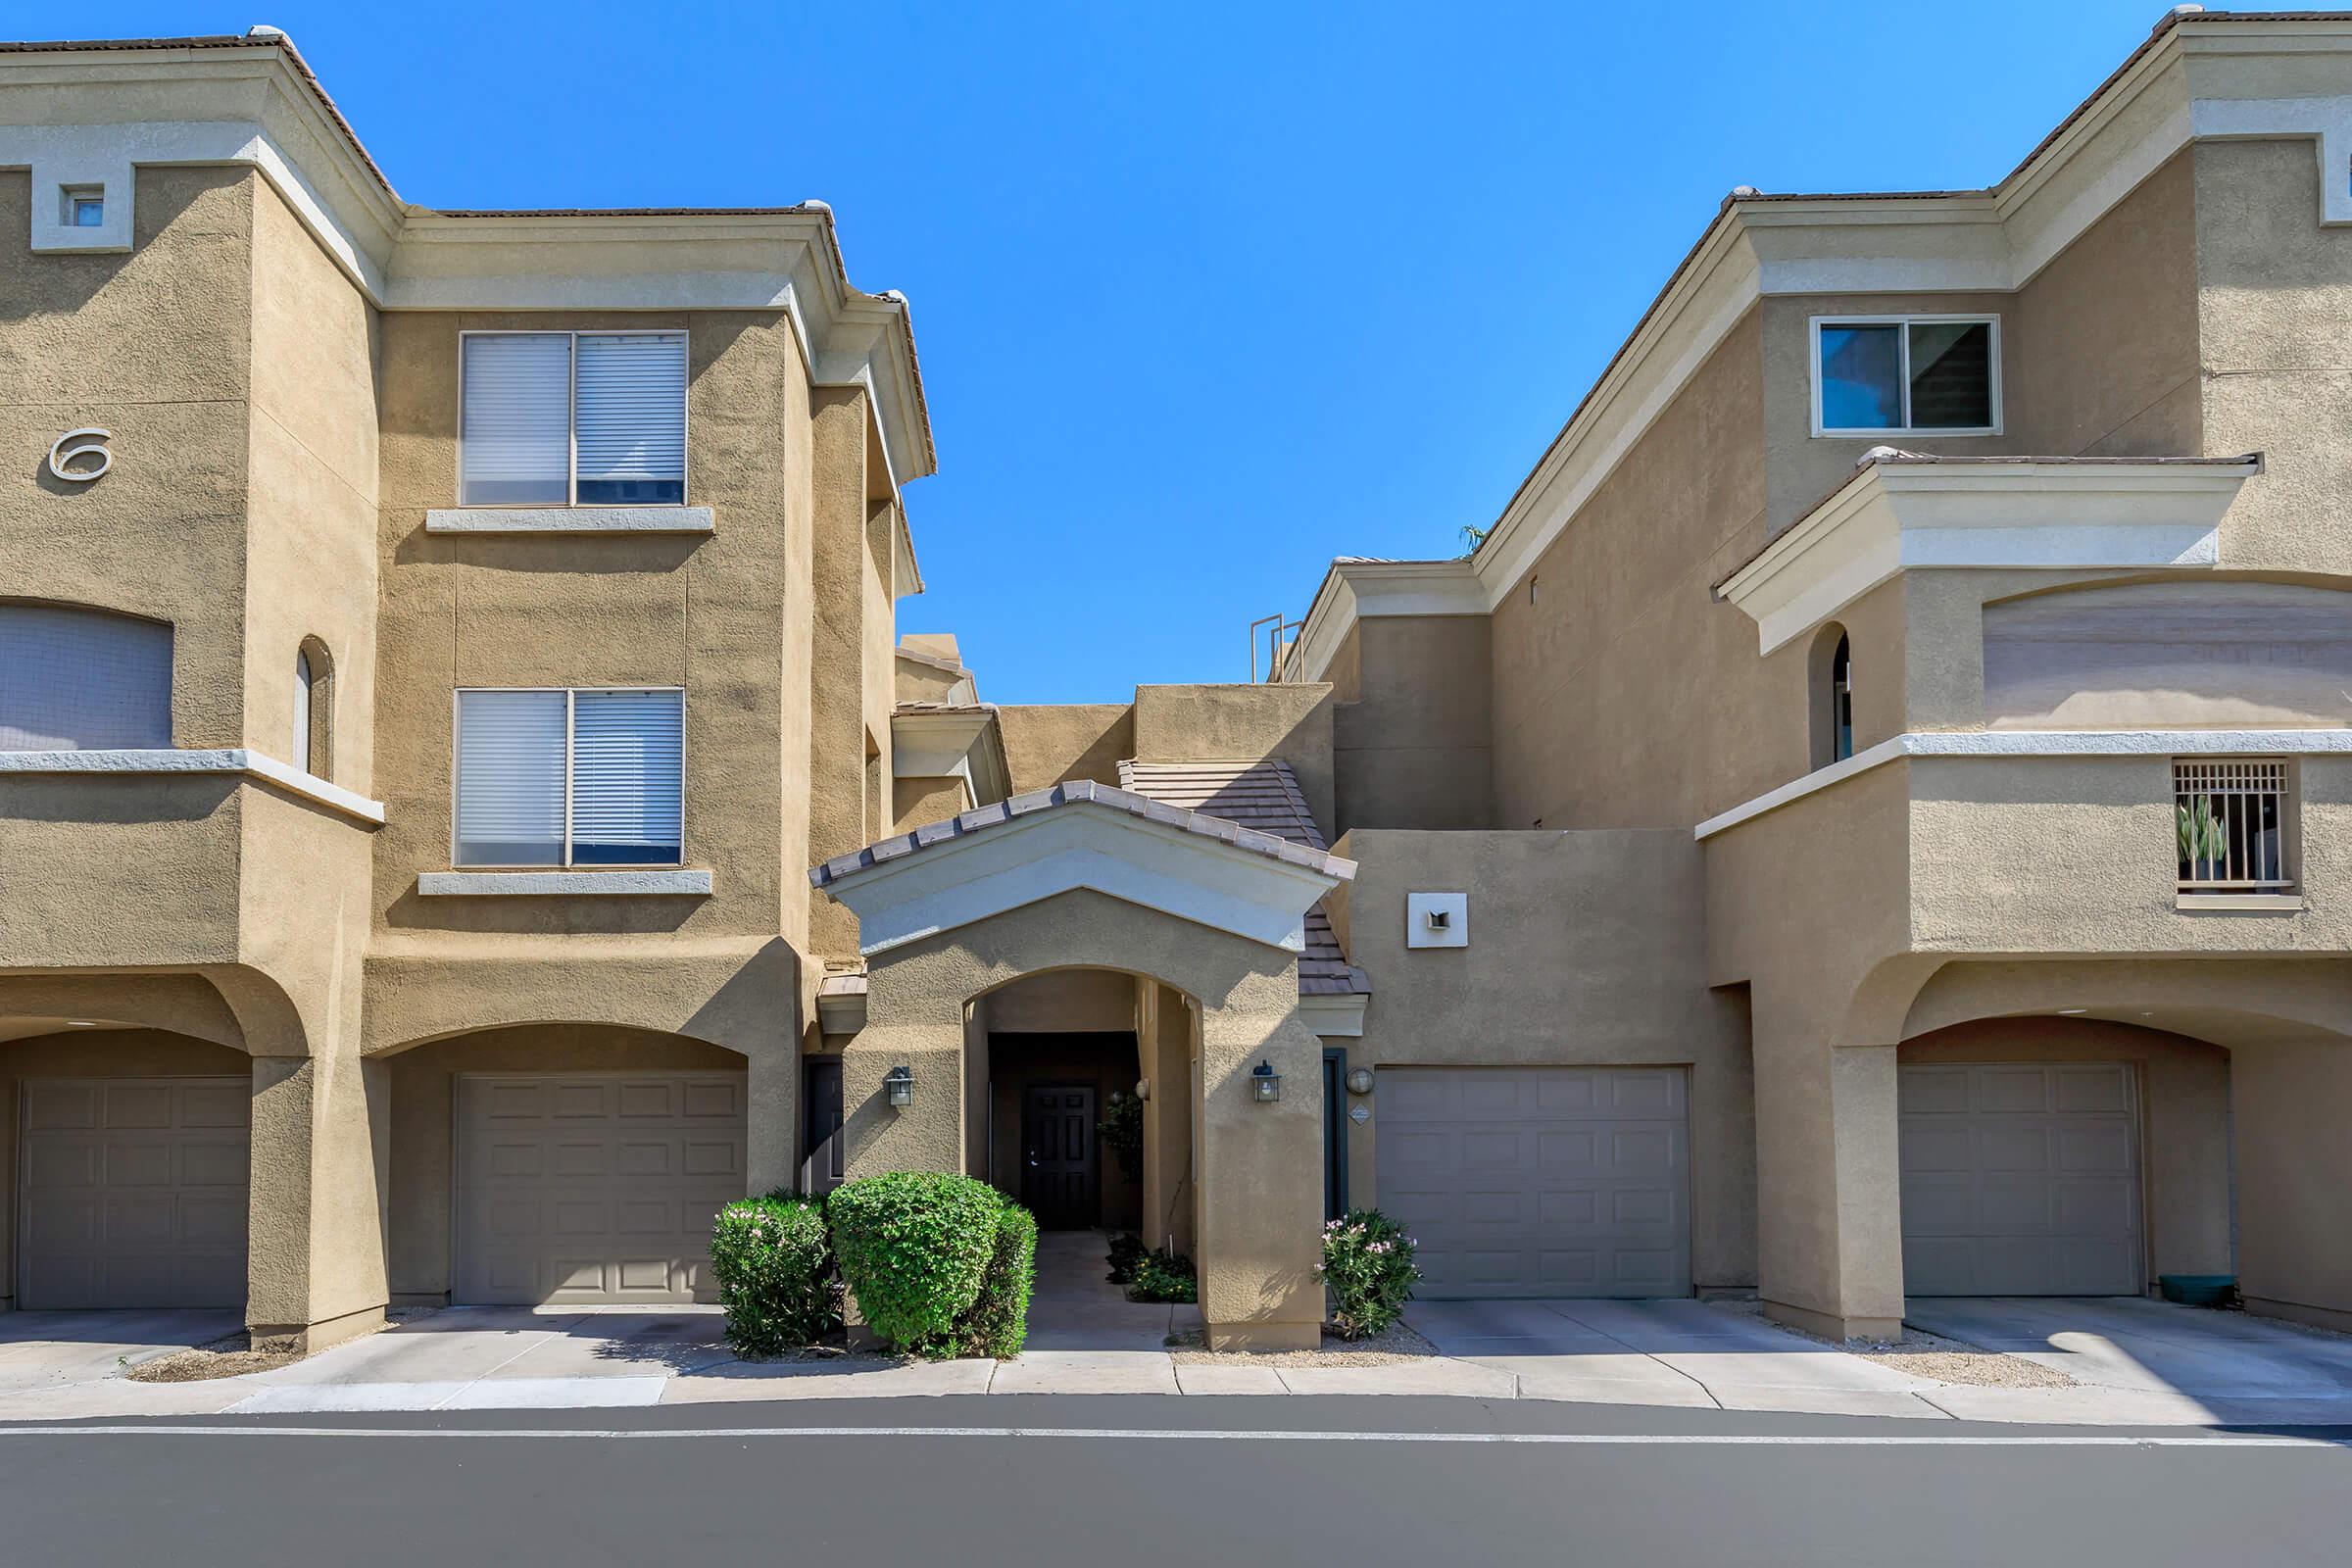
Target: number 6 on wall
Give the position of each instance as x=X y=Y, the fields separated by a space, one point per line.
x=85 y=443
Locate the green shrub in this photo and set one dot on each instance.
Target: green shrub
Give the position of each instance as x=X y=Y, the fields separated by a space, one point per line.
x=1127 y=1252
x=914 y=1247
x=997 y=1323
x=775 y=1274
x=1121 y=1131
x=1160 y=1278
x=1368 y=1264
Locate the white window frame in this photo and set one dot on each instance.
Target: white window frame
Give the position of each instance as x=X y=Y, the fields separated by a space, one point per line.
x=1970 y=317
x=571 y=462
x=457 y=784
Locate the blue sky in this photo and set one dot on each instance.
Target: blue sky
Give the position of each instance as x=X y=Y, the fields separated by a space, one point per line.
x=1205 y=293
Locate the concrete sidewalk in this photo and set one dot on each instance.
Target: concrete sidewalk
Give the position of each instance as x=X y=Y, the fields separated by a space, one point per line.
x=2132 y=1362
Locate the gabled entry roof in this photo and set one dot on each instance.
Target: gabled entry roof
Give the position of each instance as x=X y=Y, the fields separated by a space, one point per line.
x=1082 y=834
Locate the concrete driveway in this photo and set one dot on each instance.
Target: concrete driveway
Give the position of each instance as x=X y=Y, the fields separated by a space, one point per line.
x=43 y=1350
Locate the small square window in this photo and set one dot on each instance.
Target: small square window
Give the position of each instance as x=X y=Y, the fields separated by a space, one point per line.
x=85 y=206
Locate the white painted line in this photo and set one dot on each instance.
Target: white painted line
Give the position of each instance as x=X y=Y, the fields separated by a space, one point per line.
x=1597 y=1440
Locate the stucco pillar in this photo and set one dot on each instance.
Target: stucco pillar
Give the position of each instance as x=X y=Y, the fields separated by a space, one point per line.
x=927 y=1134
x=316 y=1207
x=1260 y=1210
x=1827 y=1177
x=1165 y=1045
x=2291 y=1099
x=773 y=1112
x=836 y=726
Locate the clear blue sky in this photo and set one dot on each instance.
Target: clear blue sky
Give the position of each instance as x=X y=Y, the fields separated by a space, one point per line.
x=1205 y=293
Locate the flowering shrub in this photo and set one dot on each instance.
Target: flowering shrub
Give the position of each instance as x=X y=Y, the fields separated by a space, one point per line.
x=1368 y=1264
x=774 y=1268
x=1162 y=1278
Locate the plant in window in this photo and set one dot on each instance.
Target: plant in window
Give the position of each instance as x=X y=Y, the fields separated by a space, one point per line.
x=2203 y=844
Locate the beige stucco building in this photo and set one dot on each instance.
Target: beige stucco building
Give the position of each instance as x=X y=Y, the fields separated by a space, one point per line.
x=1874 y=815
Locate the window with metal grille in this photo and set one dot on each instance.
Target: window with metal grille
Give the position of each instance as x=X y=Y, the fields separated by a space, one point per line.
x=2232 y=817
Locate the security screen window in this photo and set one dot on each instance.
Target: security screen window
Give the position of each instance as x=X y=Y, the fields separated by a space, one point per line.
x=570 y=778
x=1905 y=376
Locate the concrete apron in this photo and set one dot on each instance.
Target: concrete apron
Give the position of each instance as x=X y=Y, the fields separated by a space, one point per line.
x=2134 y=1362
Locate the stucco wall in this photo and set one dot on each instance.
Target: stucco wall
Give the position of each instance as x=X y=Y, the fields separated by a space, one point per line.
x=2294 y=1168
x=1291 y=721
x=1547 y=979
x=1046 y=745
x=1411 y=723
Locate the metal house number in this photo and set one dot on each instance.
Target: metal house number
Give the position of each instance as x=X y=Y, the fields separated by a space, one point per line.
x=76 y=445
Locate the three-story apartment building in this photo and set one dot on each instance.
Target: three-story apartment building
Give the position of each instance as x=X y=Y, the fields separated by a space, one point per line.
x=1872 y=817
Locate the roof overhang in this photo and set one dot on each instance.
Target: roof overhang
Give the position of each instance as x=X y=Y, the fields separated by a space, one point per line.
x=1081 y=835
x=1901 y=513
x=98 y=111
x=1360 y=590
x=943 y=742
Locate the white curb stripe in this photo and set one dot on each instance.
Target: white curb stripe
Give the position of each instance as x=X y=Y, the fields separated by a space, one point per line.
x=1602 y=1440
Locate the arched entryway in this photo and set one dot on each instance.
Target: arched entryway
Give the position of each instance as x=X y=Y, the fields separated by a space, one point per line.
x=561 y=1164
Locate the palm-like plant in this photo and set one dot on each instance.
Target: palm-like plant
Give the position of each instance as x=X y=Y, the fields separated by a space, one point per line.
x=2203 y=840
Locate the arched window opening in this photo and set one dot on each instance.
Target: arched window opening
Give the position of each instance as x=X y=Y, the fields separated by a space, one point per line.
x=1830 y=689
x=311 y=751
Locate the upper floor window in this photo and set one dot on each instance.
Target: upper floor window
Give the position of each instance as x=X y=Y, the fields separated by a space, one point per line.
x=1831 y=674
x=1896 y=374
x=85 y=206
x=572 y=418
x=2230 y=816
x=82 y=680
x=314 y=710
x=580 y=778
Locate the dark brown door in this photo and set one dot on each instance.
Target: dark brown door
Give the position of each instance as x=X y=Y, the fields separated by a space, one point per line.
x=820 y=1124
x=1058 y=1181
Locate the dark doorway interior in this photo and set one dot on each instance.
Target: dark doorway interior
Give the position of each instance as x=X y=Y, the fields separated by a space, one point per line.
x=820 y=1124
x=1048 y=1095
x=1060 y=1181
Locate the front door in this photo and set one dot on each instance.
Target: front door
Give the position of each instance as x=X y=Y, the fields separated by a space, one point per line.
x=820 y=1124
x=1058 y=1177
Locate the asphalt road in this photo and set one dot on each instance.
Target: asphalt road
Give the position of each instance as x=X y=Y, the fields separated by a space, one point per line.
x=1045 y=1481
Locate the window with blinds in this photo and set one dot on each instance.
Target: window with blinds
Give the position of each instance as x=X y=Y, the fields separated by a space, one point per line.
x=588 y=777
x=82 y=680
x=587 y=418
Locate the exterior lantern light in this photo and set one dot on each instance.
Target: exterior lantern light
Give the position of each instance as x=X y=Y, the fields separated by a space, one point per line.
x=1265 y=1084
x=1360 y=1080
x=899 y=1085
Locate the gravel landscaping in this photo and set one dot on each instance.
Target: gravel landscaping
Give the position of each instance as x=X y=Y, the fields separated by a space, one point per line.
x=1931 y=1355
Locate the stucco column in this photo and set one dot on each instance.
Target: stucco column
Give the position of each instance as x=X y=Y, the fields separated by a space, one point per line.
x=1166 y=1050
x=928 y=1133
x=772 y=1111
x=1827 y=1176
x=316 y=1206
x=1260 y=1170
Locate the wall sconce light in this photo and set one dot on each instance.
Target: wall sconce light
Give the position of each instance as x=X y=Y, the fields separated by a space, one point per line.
x=1265 y=1084
x=898 y=1085
x=1360 y=1080
x=1143 y=1089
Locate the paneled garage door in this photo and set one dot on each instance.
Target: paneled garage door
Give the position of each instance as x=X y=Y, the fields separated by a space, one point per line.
x=2021 y=1179
x=1540 y=1181
x=134 y=1192
x=590 y=1188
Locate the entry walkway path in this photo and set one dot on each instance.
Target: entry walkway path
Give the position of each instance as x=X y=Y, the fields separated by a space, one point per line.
x=2132 y=1362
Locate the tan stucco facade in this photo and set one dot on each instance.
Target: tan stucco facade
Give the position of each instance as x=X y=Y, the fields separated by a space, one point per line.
x=1609 y=729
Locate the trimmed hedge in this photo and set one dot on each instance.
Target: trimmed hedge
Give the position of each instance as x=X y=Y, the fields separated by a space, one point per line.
x=997 y=1323
x=775 y=1267
x=915 y=1248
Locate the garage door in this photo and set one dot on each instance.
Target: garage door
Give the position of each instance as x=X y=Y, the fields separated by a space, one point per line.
x=588 y=1188
x=134 y=1192
x=1542 y=1181
x=2021 y=1179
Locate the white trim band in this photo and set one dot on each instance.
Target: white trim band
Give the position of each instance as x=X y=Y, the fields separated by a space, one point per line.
x=2048 y=743
x=251 y=763
x=561 y=884
x=571 y=519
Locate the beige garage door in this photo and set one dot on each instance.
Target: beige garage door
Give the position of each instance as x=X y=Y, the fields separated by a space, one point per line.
x=1539 y=1181
x=134 y=1192
x=2021 y=1179
x=589 y=1188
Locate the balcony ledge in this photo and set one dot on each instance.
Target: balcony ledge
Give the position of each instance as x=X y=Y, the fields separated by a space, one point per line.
x=2068 y=742
x=2238 y=902
x=270 y=771
x=1901 y=511
x=571 y=519
x=564 y=884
